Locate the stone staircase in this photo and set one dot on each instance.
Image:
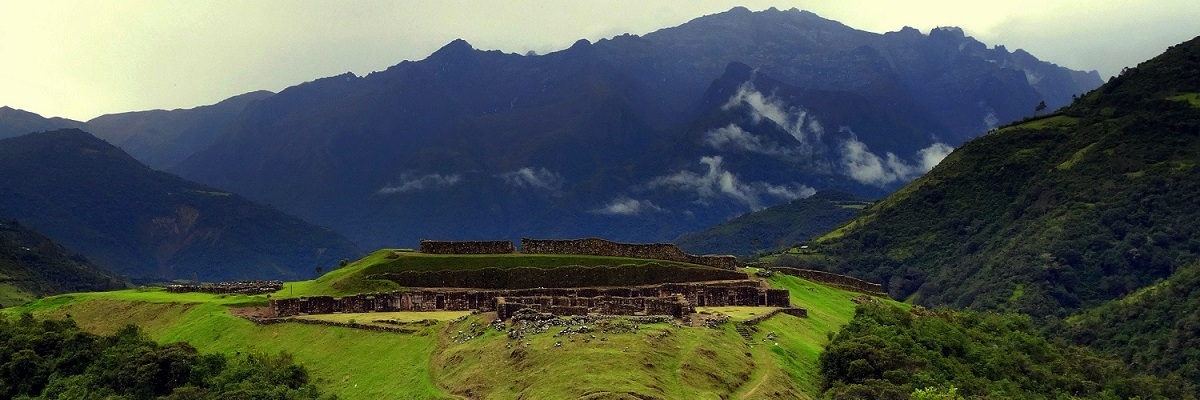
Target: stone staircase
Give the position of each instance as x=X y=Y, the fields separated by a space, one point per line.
x=745 y=331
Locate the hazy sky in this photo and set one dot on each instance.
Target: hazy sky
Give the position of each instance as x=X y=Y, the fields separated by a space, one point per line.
x=81 y=59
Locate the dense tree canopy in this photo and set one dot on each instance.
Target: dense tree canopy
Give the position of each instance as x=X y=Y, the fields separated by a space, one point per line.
x=889 y=353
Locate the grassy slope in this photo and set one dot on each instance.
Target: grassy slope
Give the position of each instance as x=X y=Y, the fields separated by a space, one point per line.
x=658 y=360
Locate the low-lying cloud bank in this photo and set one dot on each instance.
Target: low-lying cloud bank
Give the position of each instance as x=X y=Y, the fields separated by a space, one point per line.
x=626 y=206
x=716 y=181
x=812 y=143
x=535 y=178
x=868 y=168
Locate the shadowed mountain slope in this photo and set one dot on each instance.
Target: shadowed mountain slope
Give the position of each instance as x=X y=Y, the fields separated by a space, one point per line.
x=95 y=198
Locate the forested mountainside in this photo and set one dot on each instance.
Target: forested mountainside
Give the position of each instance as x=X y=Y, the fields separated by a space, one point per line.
x=1049 y=215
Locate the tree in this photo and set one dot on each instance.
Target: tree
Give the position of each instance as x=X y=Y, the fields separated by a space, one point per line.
x=1040 y=107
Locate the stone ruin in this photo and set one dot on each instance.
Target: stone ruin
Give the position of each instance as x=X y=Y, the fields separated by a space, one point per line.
x=467 y=247
x=588 y=246
x=601 y=247
x=675 y=299
x=234 y=287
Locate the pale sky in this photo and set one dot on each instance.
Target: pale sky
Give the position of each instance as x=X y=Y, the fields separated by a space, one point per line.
x=81 y=59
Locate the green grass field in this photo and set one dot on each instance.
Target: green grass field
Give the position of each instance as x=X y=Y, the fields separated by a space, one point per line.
x=657 y=360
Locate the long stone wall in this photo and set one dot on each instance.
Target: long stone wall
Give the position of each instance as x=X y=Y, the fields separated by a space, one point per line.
x=655 y=299
x=235 y=287
x=467 y=247
x=793 y=311
x=601 y=247
x=832 y=279
x=675 y=306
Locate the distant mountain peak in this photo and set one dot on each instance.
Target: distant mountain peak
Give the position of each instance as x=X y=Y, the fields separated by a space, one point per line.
x=456 y=48
x=580 y=44
x=952 y=32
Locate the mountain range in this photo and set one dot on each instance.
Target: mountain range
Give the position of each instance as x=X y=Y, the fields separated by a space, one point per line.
x=635 y=138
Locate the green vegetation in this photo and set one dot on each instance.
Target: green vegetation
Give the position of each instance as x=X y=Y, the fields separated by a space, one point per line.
x=1190 y=98
x=1069 y=210
x=775 y=228
x=55 y=359
x=349 y=362
x=32 y=265
x=887 y=352
x=1156 y=329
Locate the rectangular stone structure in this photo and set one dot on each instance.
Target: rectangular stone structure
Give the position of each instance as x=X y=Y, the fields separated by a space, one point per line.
x=601 y=247
x=467 y=247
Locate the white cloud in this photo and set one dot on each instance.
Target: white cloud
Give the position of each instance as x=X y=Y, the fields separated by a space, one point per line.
x=868 y=168
x=537 y=178
x=410 y=184
x=795 y=120
x=627 y=207
x=717 y=181
x=933 y=155
x=733 y=136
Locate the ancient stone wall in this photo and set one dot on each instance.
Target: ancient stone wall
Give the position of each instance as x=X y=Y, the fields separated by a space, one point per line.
x=235 y=287
x=467 y=247
x=832 y=279
x=668 y=299
x=601 y=247
x=674 y=306
x=793 y=311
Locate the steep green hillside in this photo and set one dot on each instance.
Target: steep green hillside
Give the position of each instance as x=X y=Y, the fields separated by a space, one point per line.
x=1156 y=328
x=32 y=265
x=1050 y=215
x=775 y=228
x=889 y=353
x=94 y=198
x=656 y=360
